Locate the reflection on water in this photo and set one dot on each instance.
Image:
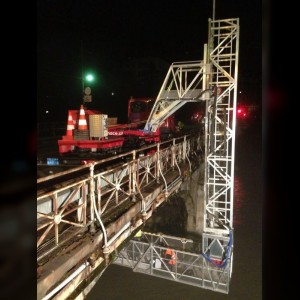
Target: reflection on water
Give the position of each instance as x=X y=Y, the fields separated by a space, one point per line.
x=238 y=202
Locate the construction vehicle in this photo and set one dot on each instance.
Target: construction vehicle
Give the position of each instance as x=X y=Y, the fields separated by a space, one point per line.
x=102 y=134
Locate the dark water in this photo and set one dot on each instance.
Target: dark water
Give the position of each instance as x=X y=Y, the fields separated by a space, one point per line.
x=246 y=282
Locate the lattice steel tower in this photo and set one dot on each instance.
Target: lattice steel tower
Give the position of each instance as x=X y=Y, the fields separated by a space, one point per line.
x=221 y=63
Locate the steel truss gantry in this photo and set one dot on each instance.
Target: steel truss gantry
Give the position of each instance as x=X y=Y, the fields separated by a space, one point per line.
x=213 y=80
x=183 y=84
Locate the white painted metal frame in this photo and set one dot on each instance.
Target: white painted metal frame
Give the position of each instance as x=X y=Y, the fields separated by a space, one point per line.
x=222 y=56
x=114 y=187
x=148 y=169
x=183 y=83
x=61 y=211
x=145 y=255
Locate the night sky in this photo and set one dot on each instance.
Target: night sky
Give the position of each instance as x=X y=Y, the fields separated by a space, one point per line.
x=108 y=37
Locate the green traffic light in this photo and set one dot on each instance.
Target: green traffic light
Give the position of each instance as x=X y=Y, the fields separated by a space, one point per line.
x=89 y=77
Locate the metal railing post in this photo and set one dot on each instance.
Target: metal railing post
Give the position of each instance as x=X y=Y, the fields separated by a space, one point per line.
x=92 y=199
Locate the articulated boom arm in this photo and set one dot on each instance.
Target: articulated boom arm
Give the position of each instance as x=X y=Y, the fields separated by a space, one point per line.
x=183 y=83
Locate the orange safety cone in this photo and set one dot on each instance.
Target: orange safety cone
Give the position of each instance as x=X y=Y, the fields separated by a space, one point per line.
x=70 y=125
x=82 y=124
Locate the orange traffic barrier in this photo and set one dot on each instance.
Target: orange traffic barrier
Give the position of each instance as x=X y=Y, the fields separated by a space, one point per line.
x=82 y=124
x=70 y=125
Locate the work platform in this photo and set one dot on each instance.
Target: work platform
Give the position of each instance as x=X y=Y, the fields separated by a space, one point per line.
x=146 y=255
